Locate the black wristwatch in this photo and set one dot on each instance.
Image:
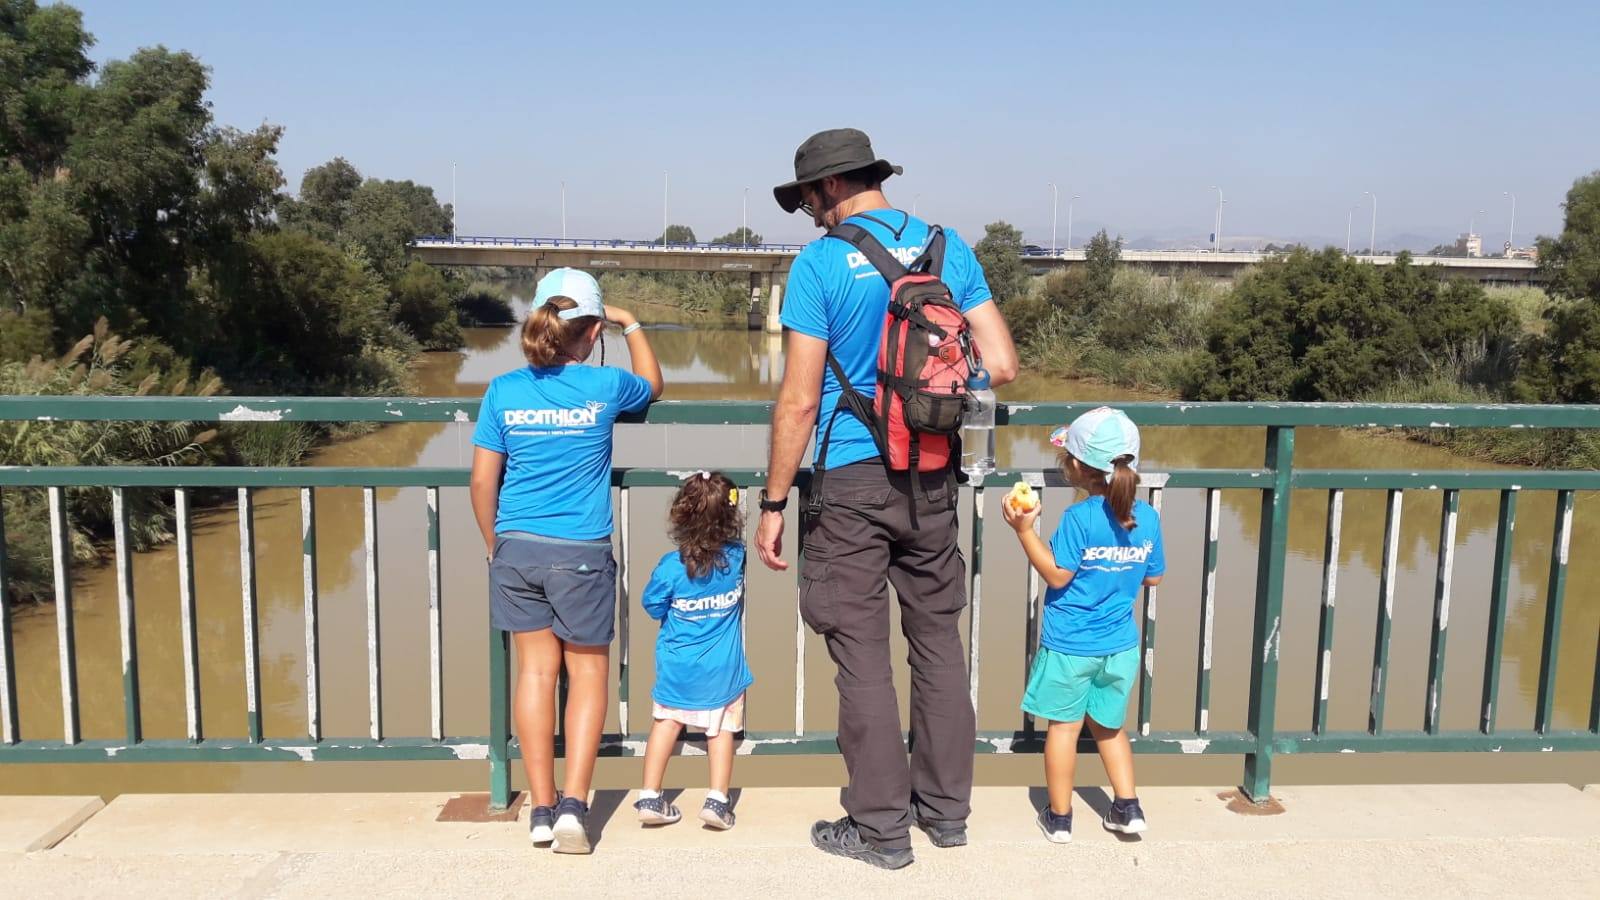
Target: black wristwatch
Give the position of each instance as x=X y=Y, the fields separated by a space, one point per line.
x=772 y=505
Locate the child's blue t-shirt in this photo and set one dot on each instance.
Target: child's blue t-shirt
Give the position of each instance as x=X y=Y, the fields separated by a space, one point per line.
x=1093 y=614
x=554 y=427
x=834 y=294
x=700 y=661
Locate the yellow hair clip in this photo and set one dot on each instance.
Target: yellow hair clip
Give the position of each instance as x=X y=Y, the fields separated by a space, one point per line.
x=733 y=496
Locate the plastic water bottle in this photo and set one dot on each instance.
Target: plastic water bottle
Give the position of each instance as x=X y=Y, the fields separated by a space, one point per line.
x=977 y=427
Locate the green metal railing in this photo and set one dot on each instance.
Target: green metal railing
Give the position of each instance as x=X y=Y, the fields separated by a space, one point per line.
x=1259 y=742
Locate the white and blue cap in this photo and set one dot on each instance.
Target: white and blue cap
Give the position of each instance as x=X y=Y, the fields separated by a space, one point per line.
x=577 y=286
x=1098 y=437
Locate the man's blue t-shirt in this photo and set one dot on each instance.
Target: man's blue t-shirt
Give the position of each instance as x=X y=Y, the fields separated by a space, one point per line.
x=700 y=660
x=554 y=427
x=835 y=295
x=1093 y=614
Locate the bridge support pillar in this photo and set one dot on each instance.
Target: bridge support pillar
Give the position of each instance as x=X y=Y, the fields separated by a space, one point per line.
x=774 y=296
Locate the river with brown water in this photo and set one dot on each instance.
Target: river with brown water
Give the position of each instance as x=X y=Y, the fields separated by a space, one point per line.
x=704 y=363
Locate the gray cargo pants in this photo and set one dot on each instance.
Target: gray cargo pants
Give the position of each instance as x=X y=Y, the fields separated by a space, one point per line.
x=862 y=540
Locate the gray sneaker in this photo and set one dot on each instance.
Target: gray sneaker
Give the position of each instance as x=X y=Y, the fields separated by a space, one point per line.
x=944 y=834
x=843 y=838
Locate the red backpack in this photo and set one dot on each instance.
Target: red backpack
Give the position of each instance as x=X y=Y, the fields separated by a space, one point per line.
x=925 y=356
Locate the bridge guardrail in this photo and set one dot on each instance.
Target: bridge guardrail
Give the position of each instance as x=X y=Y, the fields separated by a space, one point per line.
x=1276 y=480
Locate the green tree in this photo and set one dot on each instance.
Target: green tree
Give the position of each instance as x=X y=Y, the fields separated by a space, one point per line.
x=739 y=237
x=1563 y=364
x=313 y=316
x=1103 y=255
x=1322 y=326
x=387 y=215
x=1571 y=261
x=423 y=307
x=676 y=234
x=43 y=60
x=326 y=193
x=1000 y=255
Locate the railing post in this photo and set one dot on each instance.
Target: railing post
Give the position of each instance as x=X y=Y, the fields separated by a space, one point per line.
x=975 y=613
x=1270 y=566
x=9 y=733
x=499 y=719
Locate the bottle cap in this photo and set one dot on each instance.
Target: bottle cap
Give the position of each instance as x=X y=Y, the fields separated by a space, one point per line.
x=978 y=380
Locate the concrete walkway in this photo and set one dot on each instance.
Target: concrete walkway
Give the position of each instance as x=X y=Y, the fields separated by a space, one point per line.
x=1344 y=841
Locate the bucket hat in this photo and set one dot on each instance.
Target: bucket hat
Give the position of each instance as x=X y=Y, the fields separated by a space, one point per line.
x=831 y=152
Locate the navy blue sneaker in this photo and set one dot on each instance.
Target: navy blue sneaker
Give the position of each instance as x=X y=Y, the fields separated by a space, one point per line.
x=843 y=838
x=541 y=825
x=1125 y=817
x=571 y=830
x=1057 y=829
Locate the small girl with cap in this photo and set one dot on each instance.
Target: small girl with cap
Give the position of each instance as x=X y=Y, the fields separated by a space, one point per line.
x=541 y=492
x=1106 y=548
x=697 y=594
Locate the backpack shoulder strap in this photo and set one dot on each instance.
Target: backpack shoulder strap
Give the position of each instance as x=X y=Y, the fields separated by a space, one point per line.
x=862 y=239
x=932 y=259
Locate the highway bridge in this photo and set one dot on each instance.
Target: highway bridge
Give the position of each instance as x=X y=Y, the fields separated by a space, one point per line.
x=540 y=252
x=766 y=264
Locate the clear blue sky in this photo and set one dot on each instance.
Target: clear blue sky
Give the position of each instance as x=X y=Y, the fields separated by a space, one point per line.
x=1293 y=109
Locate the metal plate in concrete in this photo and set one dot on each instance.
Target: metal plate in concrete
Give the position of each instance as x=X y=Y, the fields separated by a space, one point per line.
x=29 y=823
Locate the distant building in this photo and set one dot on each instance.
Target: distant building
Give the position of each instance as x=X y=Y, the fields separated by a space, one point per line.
x=1523 y=253
x=1471 y=243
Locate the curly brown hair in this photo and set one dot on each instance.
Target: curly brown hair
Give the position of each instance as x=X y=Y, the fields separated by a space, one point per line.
x=704 y=518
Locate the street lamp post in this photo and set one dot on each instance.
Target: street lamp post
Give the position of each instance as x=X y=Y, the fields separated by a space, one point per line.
x=452 y=203
x=1372 y=239
x=663 y=209
x=1349 y=217
x=744 y=219
x=563 y=210
x=1055 y=201
x=1069 y=219
x=1216 y=234
x=1511 y=235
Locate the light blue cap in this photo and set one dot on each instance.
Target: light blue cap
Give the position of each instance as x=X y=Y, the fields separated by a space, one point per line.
x=1098 y=437
x=577 y=286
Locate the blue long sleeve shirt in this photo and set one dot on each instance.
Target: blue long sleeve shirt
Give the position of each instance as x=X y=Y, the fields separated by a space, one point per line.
x=700 y=662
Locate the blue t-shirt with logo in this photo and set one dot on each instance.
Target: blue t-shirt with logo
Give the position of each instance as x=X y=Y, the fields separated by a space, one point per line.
x=835 y=295
x=700 y=660
x=1093 y=614
x=554 y=427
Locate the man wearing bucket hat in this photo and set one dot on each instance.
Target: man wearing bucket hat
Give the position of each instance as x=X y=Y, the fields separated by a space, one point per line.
x=872 y=528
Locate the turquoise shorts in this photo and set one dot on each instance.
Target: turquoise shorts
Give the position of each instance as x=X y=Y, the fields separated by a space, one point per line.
x=1063 y=687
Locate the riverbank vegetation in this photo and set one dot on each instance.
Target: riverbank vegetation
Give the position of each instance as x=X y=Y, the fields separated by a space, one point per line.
x=147 y=249
x=708 y=294
x=1320 y=326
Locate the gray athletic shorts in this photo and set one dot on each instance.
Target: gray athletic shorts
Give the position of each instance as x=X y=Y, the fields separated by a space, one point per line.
x=538 y=582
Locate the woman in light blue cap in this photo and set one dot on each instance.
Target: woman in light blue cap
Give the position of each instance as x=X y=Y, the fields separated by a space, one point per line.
x=541 y=492
x=1106 y=548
